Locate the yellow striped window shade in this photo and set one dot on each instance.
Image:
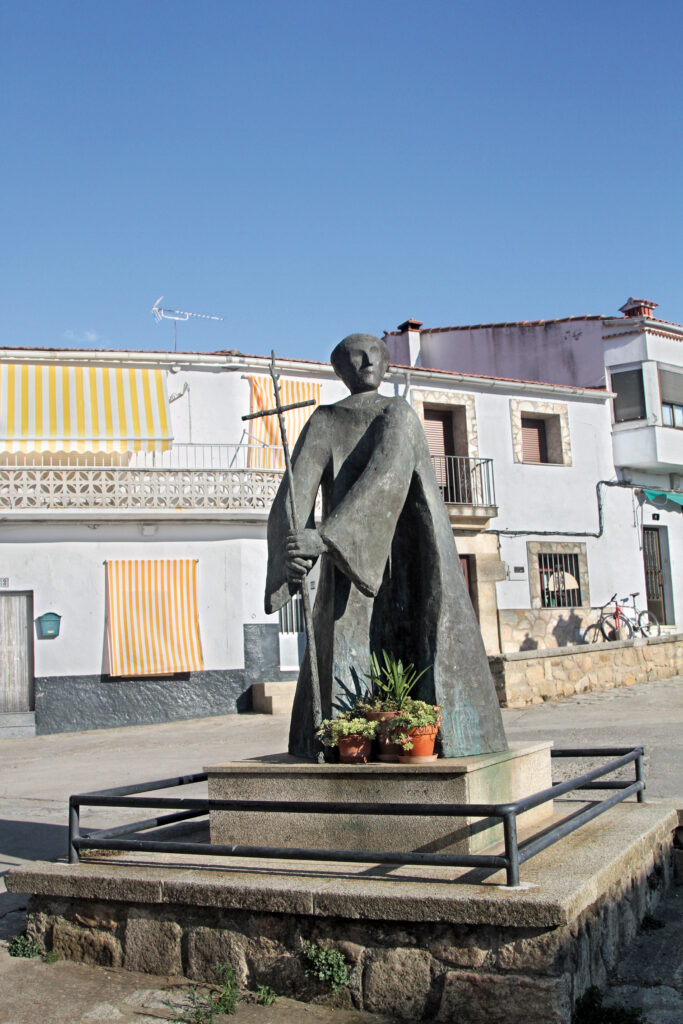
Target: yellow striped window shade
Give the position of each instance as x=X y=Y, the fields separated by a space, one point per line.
x=49 y=408
x=152 y=624
x=264 y=433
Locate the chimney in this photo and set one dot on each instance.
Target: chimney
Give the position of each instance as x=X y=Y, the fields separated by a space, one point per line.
x=412 y=329
x=638 y=307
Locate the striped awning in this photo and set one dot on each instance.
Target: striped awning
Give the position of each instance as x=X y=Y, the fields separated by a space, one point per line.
x=264 y=433
x=152 y=624
x=48 y=408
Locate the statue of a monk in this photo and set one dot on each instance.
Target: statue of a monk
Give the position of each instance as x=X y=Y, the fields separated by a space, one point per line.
x=390 y=577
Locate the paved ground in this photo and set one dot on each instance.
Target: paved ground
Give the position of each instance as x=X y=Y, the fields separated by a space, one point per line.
x=38 y=774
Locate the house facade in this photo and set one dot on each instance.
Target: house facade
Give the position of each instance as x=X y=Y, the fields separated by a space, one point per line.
x=638 y=358
x=134 y=502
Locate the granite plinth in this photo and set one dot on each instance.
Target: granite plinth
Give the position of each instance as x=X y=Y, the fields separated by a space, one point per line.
x=482 y=779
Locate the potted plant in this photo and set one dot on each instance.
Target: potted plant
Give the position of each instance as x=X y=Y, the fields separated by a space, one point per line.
x=352 y=735
x=415 y=728
x=392 y=685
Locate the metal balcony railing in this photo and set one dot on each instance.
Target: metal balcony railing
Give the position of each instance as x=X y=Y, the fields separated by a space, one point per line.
x=465 y=481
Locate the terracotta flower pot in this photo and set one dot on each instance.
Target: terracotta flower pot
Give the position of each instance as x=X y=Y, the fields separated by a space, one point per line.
x=423 y=740
x=386 y=750
x=354 y=749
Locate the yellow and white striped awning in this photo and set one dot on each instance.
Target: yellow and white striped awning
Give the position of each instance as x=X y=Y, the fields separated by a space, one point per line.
x=48 y=408
x=265 y=432
x=152 y=624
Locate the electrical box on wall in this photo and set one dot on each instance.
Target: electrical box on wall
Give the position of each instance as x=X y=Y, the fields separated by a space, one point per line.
x=515 y=572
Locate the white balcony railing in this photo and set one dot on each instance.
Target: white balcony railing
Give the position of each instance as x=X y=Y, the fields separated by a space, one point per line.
x=188 y=477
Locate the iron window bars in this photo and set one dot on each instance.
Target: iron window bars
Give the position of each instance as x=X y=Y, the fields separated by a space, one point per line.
x=515 y=852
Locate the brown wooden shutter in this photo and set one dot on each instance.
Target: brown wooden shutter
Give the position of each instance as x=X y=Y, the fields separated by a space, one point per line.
x=534 y=447
x=438 y=427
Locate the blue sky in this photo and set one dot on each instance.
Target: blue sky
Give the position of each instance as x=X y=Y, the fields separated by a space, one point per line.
x=311 y=168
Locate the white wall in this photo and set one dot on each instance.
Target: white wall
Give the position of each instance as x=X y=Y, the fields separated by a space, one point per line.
x=64 y=567
x=564 y=352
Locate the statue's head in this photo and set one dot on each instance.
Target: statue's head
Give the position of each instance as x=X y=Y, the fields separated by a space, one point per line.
x=361 y=360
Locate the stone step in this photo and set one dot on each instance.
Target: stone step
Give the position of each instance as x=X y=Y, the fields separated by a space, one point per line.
x=17 y=723
x=273 y=698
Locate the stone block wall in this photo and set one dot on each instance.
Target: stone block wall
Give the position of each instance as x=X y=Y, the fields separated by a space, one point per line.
x=530 y=677
x=406 y=969
x=533 y=629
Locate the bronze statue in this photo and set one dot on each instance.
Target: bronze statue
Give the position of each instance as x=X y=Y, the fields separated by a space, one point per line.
x=390 y=577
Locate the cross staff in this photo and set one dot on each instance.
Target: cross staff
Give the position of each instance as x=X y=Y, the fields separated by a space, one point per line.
x=279 y=411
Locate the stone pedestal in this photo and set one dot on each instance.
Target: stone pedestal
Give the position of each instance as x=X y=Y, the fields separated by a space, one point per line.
x=484 y=779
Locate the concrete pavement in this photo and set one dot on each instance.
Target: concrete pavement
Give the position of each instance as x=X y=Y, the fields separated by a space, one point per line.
x=37 y=775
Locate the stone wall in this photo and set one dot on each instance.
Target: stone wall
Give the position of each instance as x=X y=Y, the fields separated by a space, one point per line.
x=407 y=969
x=530 y=677
x=534 y=629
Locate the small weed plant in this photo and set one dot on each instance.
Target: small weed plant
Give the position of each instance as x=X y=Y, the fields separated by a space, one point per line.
x=265 y=995
x=590 y=1010
x=327 y=965
x=22 y=946
x=226 y=999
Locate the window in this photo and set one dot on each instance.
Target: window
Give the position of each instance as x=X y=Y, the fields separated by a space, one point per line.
x=291 y=616
x=671 y=388
x=559 y=578
x=540 y=433
x=629 y=401
x=445 y=430
x=534 y=441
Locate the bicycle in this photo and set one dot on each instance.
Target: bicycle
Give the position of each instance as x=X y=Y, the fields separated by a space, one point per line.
x=622 y=623
x=644 y=621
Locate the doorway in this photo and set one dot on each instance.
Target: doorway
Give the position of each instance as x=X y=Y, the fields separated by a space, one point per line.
x=654 y=573
x=16 y=652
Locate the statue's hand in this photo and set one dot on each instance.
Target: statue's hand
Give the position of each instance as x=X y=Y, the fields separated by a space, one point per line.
x=302 y=550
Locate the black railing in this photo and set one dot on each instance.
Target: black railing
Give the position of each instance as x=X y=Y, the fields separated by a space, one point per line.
x=465 y=481
x=515 y=852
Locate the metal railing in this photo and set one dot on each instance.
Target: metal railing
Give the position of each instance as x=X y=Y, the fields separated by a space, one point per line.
x=178 y=456
x=465 y=481
x=515 y=852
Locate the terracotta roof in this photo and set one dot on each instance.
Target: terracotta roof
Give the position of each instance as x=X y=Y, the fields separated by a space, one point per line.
x=508 y=323
x=488 y=376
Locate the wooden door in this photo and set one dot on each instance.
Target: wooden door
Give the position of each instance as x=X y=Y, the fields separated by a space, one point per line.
x=654 y=577
x=16 y=652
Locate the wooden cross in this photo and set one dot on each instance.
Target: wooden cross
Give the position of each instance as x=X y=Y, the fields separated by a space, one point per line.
x=279 y=411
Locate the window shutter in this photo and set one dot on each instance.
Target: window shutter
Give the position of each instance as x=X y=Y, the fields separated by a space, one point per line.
x=671 y=387
x=629 y=403
x=438 y=428
x=534 y=447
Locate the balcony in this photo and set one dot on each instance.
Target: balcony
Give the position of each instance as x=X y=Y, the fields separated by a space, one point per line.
x=467 y=488
x=194 y=478
x=197 y=478
x=644 y=446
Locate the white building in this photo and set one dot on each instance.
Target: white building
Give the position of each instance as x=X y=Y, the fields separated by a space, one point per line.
x=133 y=505
x=638 y=357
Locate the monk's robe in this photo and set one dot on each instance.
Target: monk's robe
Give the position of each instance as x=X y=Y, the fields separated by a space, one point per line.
x=390 y=577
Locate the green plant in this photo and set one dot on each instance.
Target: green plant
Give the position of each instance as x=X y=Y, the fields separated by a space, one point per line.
x=51 y=957
x=415 y=714
x=589 y=1009
x=227 y=996
x=201 y=1009
x=333 y=729
x=392 y=682
x=21 y=945
x=265 y=995
x=327 y=965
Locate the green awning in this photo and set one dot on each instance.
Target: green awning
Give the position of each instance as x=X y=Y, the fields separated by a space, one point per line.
x=675 y=496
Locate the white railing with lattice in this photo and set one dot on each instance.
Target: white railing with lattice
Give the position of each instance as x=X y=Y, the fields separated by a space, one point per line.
x=102 y=489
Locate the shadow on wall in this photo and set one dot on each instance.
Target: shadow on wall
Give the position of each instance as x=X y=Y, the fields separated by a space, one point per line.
x=569 y=631
x=528 y=643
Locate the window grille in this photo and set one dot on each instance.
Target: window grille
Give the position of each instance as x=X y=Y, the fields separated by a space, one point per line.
x=292 y=616
x=559 y=574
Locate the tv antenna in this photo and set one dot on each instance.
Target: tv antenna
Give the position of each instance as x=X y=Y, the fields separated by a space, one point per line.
x=161 y=313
